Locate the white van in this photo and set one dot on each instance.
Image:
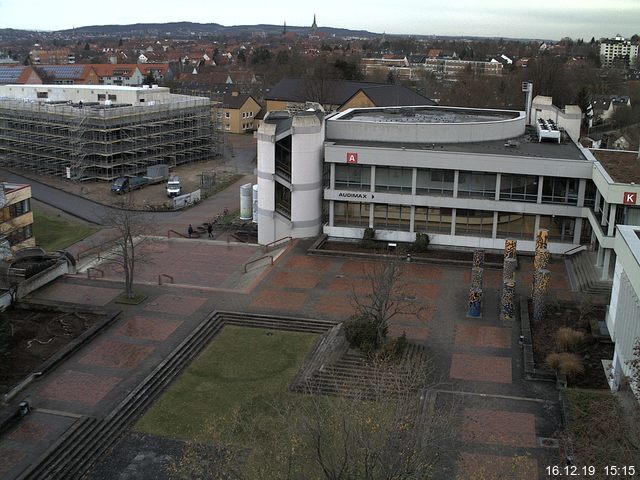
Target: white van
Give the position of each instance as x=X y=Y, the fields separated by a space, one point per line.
x=173 y=186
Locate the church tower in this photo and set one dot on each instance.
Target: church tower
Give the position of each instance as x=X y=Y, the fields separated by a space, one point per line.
x=314 y=25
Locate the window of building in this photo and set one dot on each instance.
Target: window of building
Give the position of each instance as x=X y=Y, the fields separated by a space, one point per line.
x=102 y=97
x=394 y=179
x=227 y=115
x=516 y=225
x=523 y=188
x=283 y=157
x=590 y=194
x=475 y=223
x=476 y=184
x=20 y=208
x=113 y=98
x=42 y=94
x=19 y=235
x=433 y=220
x=347 y=214
x=352 y=177
x=560 y=228
x=560 y=190
x=435 y=182
x=392 y=217
x=283 y=200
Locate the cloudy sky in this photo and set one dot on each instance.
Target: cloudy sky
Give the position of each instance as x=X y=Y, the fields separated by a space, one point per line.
x=497 y=18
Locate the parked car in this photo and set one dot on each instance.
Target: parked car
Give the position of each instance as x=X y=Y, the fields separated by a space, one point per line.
x=173 y=186
x=126 y=184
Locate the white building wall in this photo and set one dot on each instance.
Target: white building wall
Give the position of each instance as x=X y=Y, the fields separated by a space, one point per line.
x=570 y=118
x=267 y=231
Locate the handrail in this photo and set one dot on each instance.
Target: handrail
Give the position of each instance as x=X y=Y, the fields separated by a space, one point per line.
x=164 y=275
x=257 y=260
x=177 y=233
x=574 y=250
x=266 y=247
x=97 y=270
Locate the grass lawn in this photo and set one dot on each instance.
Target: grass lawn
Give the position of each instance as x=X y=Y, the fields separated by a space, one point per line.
x=244 y=369
x=55 y=234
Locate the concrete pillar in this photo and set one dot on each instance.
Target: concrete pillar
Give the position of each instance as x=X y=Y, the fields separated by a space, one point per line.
x=371 y=214
x=494 y=230
x=456 y=177
x=453 y=221
x=605 y=213
x=373 y=179
x=596 y=206
x=497 y=196
x=412 y=218
x=577 y=231
x=612 y=220
x=332 y=176
x=414 y=181
x=582 y=188
x=605 y=264
x=540 y=184
x=600 y=256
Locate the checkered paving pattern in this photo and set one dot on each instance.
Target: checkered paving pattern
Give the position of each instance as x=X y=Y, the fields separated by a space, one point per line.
x=80 y=387
x=480 y=336
x=175 y=304
x=116 y=355
x=148 y=328
x=480 y=368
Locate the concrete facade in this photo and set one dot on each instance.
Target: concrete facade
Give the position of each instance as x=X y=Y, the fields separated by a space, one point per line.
x=623 y=314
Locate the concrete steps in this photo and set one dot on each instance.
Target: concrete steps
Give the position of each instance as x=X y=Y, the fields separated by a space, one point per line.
x=86 y=441
x=586 y=276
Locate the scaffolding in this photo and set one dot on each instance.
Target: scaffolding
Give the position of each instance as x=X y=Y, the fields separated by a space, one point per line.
x=103 y=142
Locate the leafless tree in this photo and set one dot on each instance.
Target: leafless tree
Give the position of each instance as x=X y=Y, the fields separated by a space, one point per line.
x=389 y=294
x=130 y=226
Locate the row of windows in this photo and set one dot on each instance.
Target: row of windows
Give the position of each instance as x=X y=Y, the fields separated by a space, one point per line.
x=19 y=235
x=15 y=210
x=471 y=184
x=475 y=223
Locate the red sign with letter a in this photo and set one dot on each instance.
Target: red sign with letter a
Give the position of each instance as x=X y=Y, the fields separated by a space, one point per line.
x=352 y=157
x=630 y=198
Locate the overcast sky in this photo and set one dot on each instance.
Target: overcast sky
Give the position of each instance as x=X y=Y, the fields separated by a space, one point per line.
x=550 y=19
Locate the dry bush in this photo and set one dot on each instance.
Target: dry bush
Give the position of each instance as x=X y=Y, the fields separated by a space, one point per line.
x=569 y=340
x=568 y=364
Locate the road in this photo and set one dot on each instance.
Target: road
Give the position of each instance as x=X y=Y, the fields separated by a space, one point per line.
x=74 y=204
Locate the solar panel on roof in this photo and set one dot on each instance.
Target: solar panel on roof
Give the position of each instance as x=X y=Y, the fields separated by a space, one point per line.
x=10 y=75
x=63 y=71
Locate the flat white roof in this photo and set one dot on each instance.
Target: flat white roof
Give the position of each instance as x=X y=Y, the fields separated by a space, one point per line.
x=88 y=87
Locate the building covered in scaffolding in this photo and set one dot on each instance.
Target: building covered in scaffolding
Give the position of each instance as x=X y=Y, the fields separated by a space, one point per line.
x=100 y=132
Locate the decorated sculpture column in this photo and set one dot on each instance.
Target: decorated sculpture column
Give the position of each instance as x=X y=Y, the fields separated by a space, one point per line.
x=478 y=258
x=540 y=289
x=508 y=300
x=542 y=238
x=476 y=278
x=475 y=303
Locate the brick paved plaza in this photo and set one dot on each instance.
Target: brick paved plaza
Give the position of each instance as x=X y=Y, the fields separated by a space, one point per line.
x=500 y=415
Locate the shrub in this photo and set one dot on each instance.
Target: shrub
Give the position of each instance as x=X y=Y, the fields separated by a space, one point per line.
x=421 y=244
x=569 y=340
x=400 y=345
x=369 y=238
x=568 y=364
x=361 y=333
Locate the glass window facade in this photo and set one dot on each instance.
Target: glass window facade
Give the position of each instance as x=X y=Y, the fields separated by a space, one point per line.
x=394 y=179
x=523 y=188
x=516 y=225
x=560 y=190
x=476 y=184
x=560 y=228
x=352 y=177
x=347 y=214
x=283 y=200
x=475 y=223
x=392 y=217
x=433 y=220
x=432 y=181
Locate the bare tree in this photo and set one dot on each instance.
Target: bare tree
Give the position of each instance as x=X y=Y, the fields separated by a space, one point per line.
x=130 y=226
x=389 y=295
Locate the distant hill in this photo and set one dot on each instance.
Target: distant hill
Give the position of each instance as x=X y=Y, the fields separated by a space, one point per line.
x=194 y=29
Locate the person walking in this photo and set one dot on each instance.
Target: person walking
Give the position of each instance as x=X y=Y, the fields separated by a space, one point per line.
x=190 y=230
x=210 y=230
